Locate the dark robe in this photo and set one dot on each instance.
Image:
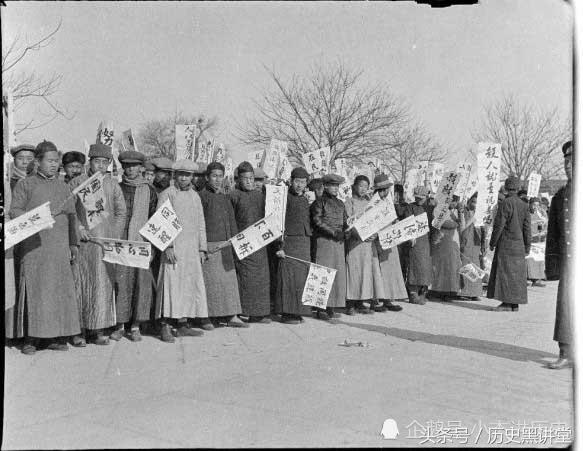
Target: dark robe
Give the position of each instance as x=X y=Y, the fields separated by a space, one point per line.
x=252 y=271
x=559 y=259
x=420 y=270
x=511 y=237
x=292 y=274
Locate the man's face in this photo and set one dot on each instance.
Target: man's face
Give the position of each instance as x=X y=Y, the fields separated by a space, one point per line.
x=22 y=159
x=361 y=188
x=73 y=169
x=332 y=189
x=49 y=163
x=131 y=170
x=472 y=204
x=162 y=177
x=99 y=164
x=215 y=179
x=569 y=166
x=183 y=179
x=259 y=183
x=383 y=192
x=149 y=176
x=319 y=191
x=299 y=185
x=246 y=181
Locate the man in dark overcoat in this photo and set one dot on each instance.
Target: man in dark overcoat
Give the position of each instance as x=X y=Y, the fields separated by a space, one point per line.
x=511 y=239
x=559 y=260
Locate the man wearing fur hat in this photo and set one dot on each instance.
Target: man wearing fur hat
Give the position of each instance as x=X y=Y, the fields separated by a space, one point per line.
x=511 y=241
x=73 y=164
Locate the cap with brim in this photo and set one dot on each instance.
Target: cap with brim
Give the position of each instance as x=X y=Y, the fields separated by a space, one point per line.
x=185 y=166
x=148 y=166
x=332 y=179
x=382 y=181
x=259 y=174
x=73 y=157
x=163 y=163
x=99 y=151
x=131 y=156
x=420 y=191
x=299 y=173
x=21 y=147
x=512 y=183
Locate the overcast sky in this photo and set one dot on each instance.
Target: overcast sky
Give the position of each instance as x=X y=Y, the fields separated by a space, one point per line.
x=133 y=61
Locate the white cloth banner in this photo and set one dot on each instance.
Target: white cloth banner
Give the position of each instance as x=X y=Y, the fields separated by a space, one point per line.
x=489 y=164
x=409 y=228
x=128 y=142
x=533 y=184
x=472 y=272
x=378 y=214
x=317 y=161
x=220 y=154
x=434 y=175
x=443 y=197
x=471 y=186
x=410 y=184
x=86 y=148
x=276 y=203
x=185 y=140
x=465 y=171
x=229 y=167
x=105 y=134
x=255 y=157
x=163 y=227
x=27 y=224
x=126 y=253
x=318 y=286
x=256 y=236
x=537 y=252
x=92 y=196
x=285 y=169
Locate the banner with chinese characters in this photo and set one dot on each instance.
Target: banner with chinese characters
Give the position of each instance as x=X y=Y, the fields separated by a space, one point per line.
x=465 y=171
x=126 y=253
x=378 y=214
x=128 y=142
x=489 y=164
x=276 y=203
x=318 y=286
x=408 y=229
x=185 y=141
x=285 y=169
x=163 y=227
x=270 y=160
x=27 y=224
x=229 y=167
x=206 y=149
x=220 y=154
x=533 y=184
x=443 y=198
x=316 y=162
x=471 y=186
x=256 y=236
x=434 y=175
x=255 y=157
x=92 y=196
x=472 y=272
x=86 y=148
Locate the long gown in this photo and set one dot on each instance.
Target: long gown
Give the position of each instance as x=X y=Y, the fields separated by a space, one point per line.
x=472 y=239
x=360 y=284
x=445 y=258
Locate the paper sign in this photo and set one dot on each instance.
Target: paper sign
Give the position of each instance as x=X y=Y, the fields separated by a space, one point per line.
x=220 y=154
x=285 y=169
x=276 y=203
x=472 y=272
x=27 y=224
x=256 y=236
x=92 y=196
x=434 y=175
x=465 y=171
x=316 y=162
x=128 y=142
x=318 y=286
x=533 y=184
x=86 y=148
x=126 y=253
x=411 y=227
x=105 y=135
x=537 y=252
x=443 y=197
x=489 y=164
x=255 y=157
x=471 y=186
x=378 y=214
x=163 y=227
x=185 y=141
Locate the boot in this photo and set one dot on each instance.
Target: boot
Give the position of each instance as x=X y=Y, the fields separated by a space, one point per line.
x=392 y=307
x=166 y=334
x=414 y=298
x=350 y=308
x=378 y=307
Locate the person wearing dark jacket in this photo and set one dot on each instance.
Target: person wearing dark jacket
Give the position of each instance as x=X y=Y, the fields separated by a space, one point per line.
x=511 y=239
x=558 y=261
x=329 y=222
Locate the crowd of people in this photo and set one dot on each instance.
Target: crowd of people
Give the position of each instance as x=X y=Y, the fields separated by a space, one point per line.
x=63 y=292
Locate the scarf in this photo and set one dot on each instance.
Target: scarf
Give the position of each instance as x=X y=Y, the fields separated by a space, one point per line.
x=17 y=174
x=141 y=206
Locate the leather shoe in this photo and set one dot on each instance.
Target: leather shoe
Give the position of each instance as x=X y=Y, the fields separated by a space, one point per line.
x=79 y=342
x=236 y=322
x=414 y=298
x=206 y=324
x=350 y=311
x=392 y=307
x=166 y=334
x=56 y=346
x=28 y=349
x=135 y=335
x=101 y=340
x=185 y=331
x=288 y=319
x=504 y=307
x=322 y=315
x=559 y=364
x=117 y=334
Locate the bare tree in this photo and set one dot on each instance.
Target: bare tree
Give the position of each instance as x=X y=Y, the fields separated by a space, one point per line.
x=408 y=145
x=30 y=86
x=529 y=136
x=157 y=137
x=330 y=107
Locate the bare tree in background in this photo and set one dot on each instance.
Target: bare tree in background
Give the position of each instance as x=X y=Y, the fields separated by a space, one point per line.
x=408 y=145
x=157 y=137
x=530 y=137
x=330 y=107
x=29 y=86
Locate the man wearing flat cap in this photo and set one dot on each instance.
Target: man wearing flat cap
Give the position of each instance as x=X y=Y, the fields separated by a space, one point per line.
x=329 y=221
x=511 y=240
x=23 y=155
x=134 y=285
x=260 y=179
x=181 y=293
x=73 y=164
x=95 y=278
x=162 y=174
x=559 y=260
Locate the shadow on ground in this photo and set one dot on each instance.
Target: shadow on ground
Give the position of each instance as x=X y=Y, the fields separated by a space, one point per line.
x=493 y=348
x=472 y=305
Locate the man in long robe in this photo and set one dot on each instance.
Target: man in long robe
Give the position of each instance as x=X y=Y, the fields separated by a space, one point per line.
x=559 y=261
x=96 y=278
x=511 y=239
x=181 y=291
x=47 y=305
x=134 y=286
x=253 y=271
